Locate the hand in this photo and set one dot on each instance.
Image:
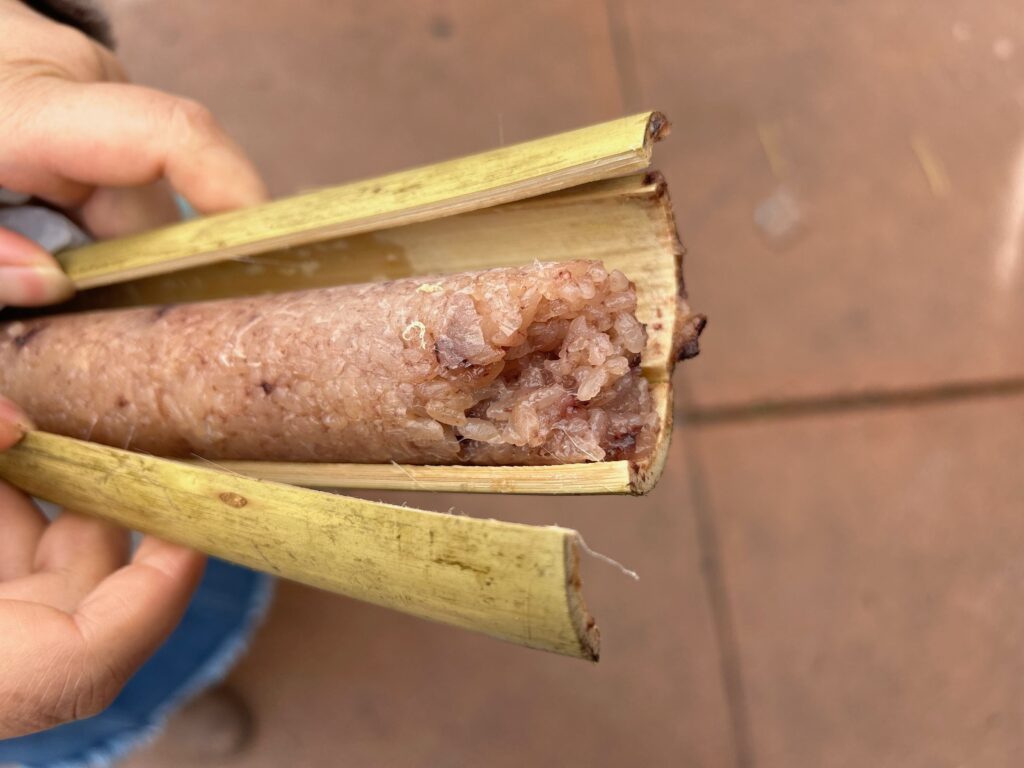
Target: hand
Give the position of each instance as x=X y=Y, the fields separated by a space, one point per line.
x=75 y=133
x=75 y=620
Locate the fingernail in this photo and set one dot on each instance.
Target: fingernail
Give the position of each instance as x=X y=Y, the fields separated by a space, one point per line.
x=28 y=286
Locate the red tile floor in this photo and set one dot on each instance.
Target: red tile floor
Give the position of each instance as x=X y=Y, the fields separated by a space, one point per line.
x=830 y=572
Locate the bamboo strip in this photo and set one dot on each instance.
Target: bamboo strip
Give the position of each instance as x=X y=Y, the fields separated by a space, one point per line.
x=607 y=477
x=515 y=582
x=599 y=478
x=478 y=181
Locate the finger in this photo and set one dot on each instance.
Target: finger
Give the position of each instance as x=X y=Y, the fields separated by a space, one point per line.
x=133 y=610
x=13 y=424
x=111 y=68
x=22 y=524
x=126 y=135
x=58 y=667
x=119 y=211
x=85 y=548
x=42 y=679
x=29 y=276
x=74 y=555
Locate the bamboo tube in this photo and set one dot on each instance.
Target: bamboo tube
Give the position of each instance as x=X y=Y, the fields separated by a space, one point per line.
x=515 y=582
x=625 y=222
x=478 y=181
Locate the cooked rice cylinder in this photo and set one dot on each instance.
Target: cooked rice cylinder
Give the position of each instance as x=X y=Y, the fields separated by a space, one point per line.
x=528 y=365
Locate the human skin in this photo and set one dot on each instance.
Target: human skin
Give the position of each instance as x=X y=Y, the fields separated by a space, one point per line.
x=78 y=613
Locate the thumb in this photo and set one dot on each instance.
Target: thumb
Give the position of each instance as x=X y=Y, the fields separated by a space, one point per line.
x=127 y=135
x=13 y=424
x=29 y=276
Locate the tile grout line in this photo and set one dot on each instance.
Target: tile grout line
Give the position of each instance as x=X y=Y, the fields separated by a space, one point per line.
x=730 y=667
x=868 y=400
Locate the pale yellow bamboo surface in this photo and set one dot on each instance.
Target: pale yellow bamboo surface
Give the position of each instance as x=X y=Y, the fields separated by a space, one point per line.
x=515 y=582
x=608 y=477
x=625 y=222
x=478 y=181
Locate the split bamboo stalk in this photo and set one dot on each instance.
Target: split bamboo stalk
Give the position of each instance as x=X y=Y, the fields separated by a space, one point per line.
x=626 y=222
x=515 y=582
x=479 y=181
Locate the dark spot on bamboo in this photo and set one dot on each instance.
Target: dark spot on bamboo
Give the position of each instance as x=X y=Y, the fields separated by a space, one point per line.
x=161 y=311
x=122 y=401
x=267 y=387
x=689 y=350
x=21 y=341
x=483 y=571
x=658 y=127
x=233 y=499
x=691 y=334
